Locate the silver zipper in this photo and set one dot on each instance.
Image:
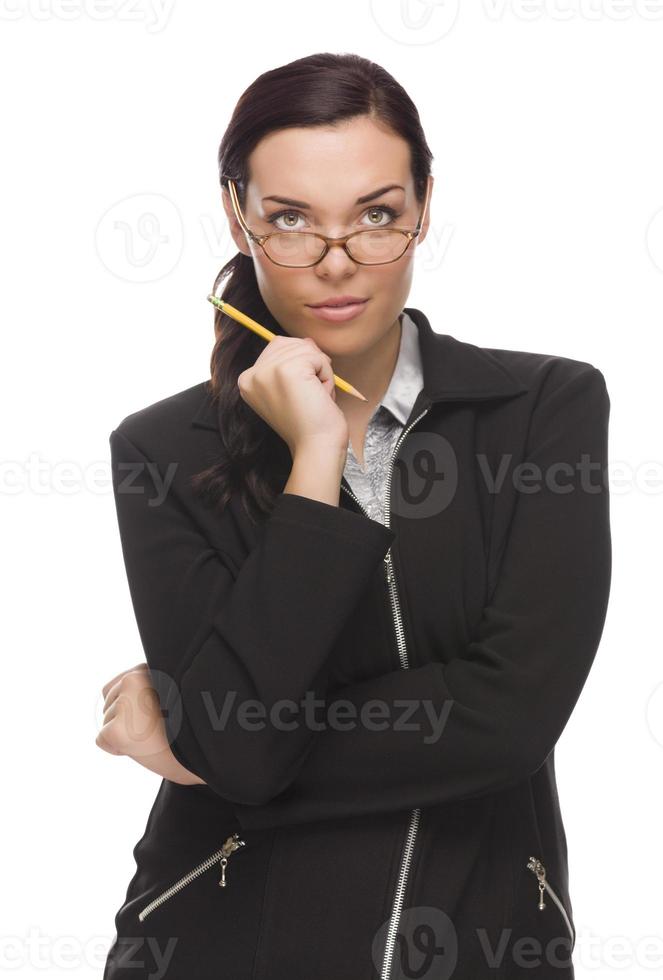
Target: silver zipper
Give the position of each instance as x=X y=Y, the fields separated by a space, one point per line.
x=415 y=815
x=537 y=868
x=232 y=844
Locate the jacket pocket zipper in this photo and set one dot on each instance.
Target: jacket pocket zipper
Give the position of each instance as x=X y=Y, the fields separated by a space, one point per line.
x=232 y=844
x=537 y=868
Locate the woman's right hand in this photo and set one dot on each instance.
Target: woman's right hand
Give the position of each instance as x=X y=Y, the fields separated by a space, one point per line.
x=291 y=386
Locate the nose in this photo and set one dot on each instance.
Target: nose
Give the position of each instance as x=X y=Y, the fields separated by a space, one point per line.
x=336 y=262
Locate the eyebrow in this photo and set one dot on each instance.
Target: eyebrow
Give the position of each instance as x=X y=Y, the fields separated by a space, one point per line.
x=360 y=200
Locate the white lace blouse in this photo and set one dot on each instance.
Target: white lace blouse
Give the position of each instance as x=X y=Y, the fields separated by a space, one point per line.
x=386 y=424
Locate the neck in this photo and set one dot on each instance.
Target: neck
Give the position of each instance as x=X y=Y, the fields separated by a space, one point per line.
x=370 y=372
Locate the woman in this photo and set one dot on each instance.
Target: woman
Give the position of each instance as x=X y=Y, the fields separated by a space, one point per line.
x=366 y=623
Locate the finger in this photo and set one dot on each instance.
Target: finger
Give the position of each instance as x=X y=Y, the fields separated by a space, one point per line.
x=280 y=348
x=111 y=711
x=106 y=743
x=115 y=691
x=134 y=690
x=111 y=694
x=317 y=358
x=325 y=372
x=107 y=686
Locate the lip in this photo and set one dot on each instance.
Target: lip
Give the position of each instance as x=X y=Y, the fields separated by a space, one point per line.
x=339 y=314
x=339 y=300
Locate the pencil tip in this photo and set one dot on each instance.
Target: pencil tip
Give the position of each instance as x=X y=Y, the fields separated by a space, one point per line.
x=355 y=392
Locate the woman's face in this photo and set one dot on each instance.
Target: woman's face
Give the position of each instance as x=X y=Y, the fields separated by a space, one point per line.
x=329 y=168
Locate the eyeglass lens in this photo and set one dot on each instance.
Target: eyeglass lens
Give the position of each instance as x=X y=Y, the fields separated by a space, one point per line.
x=370 y=247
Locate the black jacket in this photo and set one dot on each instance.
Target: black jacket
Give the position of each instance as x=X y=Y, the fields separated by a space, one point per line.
x=396 y=835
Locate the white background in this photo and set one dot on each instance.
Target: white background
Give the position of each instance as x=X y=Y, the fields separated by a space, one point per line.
x=546 y=235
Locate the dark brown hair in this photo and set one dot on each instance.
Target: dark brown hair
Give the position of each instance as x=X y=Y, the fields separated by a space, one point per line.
x=318 y=90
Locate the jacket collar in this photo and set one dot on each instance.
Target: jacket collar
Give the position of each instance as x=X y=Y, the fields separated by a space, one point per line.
x=408 y=377
x=454 y=370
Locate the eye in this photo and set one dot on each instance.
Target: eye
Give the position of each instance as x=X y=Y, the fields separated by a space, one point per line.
x=385 y=209
x=273 y=218
x=289 y=225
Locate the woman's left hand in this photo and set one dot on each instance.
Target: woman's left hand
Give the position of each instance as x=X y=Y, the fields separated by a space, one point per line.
x=133 y=725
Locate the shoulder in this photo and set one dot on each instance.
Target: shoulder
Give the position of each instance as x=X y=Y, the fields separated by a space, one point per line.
x=534 y=367
x=167 y=418
x=566 y=402
x=545 y=373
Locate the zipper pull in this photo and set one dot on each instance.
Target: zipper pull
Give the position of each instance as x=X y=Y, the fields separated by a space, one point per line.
x=389 y=575
x=538 y=869
x=232 y=844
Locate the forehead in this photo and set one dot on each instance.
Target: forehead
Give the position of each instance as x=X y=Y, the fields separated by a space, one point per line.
x=325 y=164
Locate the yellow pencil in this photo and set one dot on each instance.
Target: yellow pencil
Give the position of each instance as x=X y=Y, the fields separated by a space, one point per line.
x=266 y=334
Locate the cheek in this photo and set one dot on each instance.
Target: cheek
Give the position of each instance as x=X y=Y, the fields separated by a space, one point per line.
x=276 y=283
x=392 y=282
x=282 y=291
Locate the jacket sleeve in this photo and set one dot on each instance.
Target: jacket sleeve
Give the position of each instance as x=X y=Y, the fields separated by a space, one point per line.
x=223 y=642
x=500 y=707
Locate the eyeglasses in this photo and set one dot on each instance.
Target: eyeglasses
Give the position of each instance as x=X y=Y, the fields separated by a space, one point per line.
x=301 y=249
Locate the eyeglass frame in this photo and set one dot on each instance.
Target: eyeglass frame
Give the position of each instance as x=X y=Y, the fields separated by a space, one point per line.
x=261 y=239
